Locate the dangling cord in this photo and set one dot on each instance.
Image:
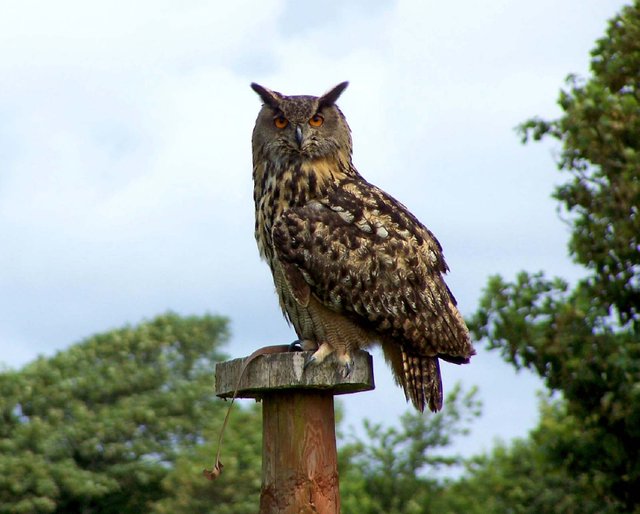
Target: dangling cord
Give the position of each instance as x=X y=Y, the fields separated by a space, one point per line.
x=214 y=473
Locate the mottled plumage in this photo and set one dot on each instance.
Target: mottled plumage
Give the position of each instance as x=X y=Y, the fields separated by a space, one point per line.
x=352 y=266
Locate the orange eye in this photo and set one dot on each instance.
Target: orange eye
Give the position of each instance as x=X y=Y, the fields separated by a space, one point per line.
x=280 y=121
x=316 y=121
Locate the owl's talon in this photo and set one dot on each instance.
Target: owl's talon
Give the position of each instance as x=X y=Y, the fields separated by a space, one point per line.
x=347 y=369
x=311 y=360
x=296 y=346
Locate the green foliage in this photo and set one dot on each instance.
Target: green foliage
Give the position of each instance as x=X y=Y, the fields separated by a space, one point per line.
x=237 y=490
x=524 y=477
x=583 y=341
x=565 y=337
x=126 y=421
x=393 y=471
x=600 y=134
x=105 y=425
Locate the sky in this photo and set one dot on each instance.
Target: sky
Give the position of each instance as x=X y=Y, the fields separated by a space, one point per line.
x=125 y=160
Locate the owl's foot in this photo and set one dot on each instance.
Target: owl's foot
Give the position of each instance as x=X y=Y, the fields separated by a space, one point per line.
x=320 y=355
x=325 y=349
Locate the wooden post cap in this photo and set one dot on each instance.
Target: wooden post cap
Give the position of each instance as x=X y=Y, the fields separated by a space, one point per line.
x=282 y=371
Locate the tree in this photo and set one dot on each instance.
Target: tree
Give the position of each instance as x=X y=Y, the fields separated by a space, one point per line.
x=125 y=421
x=107 y=425
x=524 y=477
x=585 y=341
x=600 y=132
x=395 y=470
x=237 y=491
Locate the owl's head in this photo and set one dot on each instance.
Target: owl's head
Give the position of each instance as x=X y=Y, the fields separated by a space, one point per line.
x=292 y=128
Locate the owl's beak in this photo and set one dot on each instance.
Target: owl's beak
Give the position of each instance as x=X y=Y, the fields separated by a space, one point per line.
x=299 y=135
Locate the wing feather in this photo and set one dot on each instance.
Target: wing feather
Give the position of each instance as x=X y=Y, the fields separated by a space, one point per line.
x=364 y=254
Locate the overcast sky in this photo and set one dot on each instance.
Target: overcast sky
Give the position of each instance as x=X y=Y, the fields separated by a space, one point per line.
x=125 y=159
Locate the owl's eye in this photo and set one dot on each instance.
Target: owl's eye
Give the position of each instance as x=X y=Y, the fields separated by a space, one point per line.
x=280 y=121
x=316 y=121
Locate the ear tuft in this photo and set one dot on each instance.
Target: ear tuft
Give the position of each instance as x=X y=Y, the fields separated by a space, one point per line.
x=330 y=97
x=271 y=98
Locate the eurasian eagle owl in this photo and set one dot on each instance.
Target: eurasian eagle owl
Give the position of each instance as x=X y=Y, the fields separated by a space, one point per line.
x=351 y=265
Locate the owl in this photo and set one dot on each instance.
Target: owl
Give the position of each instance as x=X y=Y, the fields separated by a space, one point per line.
x=351 y=265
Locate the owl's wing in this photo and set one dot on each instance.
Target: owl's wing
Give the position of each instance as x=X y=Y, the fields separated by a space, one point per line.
x=362 y=253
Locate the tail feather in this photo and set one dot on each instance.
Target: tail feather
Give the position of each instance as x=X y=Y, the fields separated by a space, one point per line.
x=419 y=376
x=422 y=381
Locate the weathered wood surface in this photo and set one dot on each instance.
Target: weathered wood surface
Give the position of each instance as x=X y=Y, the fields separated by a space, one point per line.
x=299 y=463
x=282 y=371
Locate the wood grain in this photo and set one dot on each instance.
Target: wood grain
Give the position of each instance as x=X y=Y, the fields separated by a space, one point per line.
x=299 y=464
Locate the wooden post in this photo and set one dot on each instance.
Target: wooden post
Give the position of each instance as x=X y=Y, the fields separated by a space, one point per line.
x=299 y=460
